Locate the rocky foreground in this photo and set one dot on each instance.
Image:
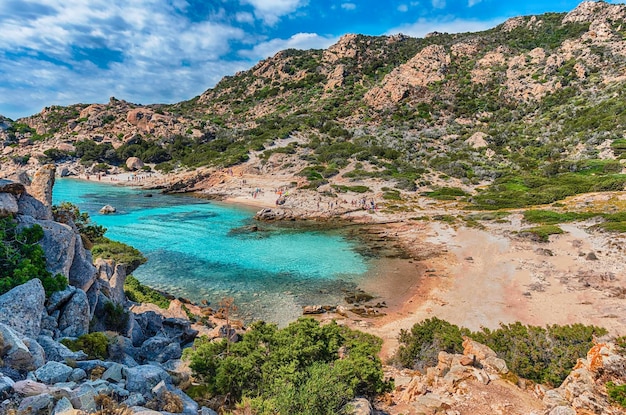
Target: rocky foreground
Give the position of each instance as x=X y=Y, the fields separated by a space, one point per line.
x=144 y=372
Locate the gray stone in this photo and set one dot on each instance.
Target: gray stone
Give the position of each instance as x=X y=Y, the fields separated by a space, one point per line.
x=30 y=388
x=63 y=407
x=41 y=187
x=58 y=299
x=58 y=352
x=6 y=384
x=8 y=205
x=135 y=399
x=360 y=406
x=17 y=356
x=36 y=351
x=160 y=349
x=107 y=209
x=495 y=364
x=113 y=373
x=77 y=375
x=207 y=411
x=179 y=329
x=83 y=398
x=36 y=405
x=82 y=272
x=74 y=320
x=190 y=407
x=562 y=410
x=89 y=365
x=29 y=206
x=553 y=398
x=143 y=378
x=58 y=243
x=53 y=372
x=21 y=308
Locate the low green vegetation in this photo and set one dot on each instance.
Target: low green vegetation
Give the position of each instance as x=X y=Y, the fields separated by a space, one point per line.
x=305 y=368
x=541 y=354
x=136 y=291
x=121 y=253
x=22 y=258
x=542 y=233
x=522 y=191
x=612 y=222
x=95 y=345
x=353 y=189
x=446 y=193
x=617 y=393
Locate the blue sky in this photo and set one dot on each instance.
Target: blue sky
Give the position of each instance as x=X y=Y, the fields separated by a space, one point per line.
x=61 y=52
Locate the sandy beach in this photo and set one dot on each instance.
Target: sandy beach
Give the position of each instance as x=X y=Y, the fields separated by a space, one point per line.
x=471 y=277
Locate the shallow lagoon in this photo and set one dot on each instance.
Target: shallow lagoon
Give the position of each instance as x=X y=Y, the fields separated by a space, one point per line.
x=197 y=249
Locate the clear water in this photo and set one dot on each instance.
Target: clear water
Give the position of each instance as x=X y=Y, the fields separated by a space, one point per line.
x=196 y=250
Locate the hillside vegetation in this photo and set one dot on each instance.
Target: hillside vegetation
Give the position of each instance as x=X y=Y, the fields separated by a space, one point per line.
x=526 y=113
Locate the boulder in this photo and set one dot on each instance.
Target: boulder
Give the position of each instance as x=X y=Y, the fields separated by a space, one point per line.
x=36 y=405
x=16 y=353
x=58 y=243
x=6 y=384
x=63 y=407
x=113 y=276
x=53 y=372
x=471 y=347
x=179 y=330
x=142 y=379
x=134 y=163
x=29 y=206
x=207 y=411
x=58 y=299
x=22 y=307
x=160 y=349
x=83 y=398
x=12 y=187
x=360 y=406
x=82 y=272
x=30 y=388
x=41 y=187
x=36 y=351
x=106 y=209
x=113 y=373
x=58 y=352
x=77 y=375
x=75 y=316
x=8 y=205
x=562 y=410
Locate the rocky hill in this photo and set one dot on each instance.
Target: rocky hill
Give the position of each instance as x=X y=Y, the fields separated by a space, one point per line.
x=497 y=114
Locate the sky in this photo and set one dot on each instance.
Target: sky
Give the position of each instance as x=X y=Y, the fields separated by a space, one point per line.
x=62 y=52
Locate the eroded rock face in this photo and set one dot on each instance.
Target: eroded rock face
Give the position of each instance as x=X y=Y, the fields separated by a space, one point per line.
x=22 y=307
x=41 y=187
x=74 y=319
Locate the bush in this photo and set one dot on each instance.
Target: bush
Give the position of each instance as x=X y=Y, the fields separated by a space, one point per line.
x=305 y=368
x=542 y=233
x=22 y=258
x=119 y=252
x=136 y=291
x=617 y=393
x=115 y=317
x=544 y=355
x=95 y=345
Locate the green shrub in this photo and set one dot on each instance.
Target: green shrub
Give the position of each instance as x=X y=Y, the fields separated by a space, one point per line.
x=420 y=347
x=22 y=258
x=544 y=355
x=67 y=212
x=115 y=317
x=95 y=345
x=446 y=193
x=136 y=291
x=617 y=393
x=120 y=252
x=305 y=368
x=549 y=217
x=542 y=233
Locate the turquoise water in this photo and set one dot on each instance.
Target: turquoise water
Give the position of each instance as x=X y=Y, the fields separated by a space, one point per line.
x=196 y=249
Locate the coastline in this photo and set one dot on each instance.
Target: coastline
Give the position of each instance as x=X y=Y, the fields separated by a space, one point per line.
x=468 y=276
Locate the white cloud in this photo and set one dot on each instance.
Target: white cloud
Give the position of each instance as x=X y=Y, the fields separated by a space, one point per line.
x=270 y=11
x=298 y=41
x=424 y=26
x=145 y=51
x=439 y=4
x=243 y=17
x=403 y=8
x=472 y=3
x=348 y=6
